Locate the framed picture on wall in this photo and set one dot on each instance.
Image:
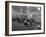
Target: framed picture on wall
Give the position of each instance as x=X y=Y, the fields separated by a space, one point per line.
x=24 y=18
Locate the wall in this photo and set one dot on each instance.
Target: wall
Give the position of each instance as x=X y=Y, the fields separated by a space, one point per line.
x=2 y=19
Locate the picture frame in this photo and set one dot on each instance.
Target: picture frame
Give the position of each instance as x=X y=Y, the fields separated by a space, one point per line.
x=32 y=9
